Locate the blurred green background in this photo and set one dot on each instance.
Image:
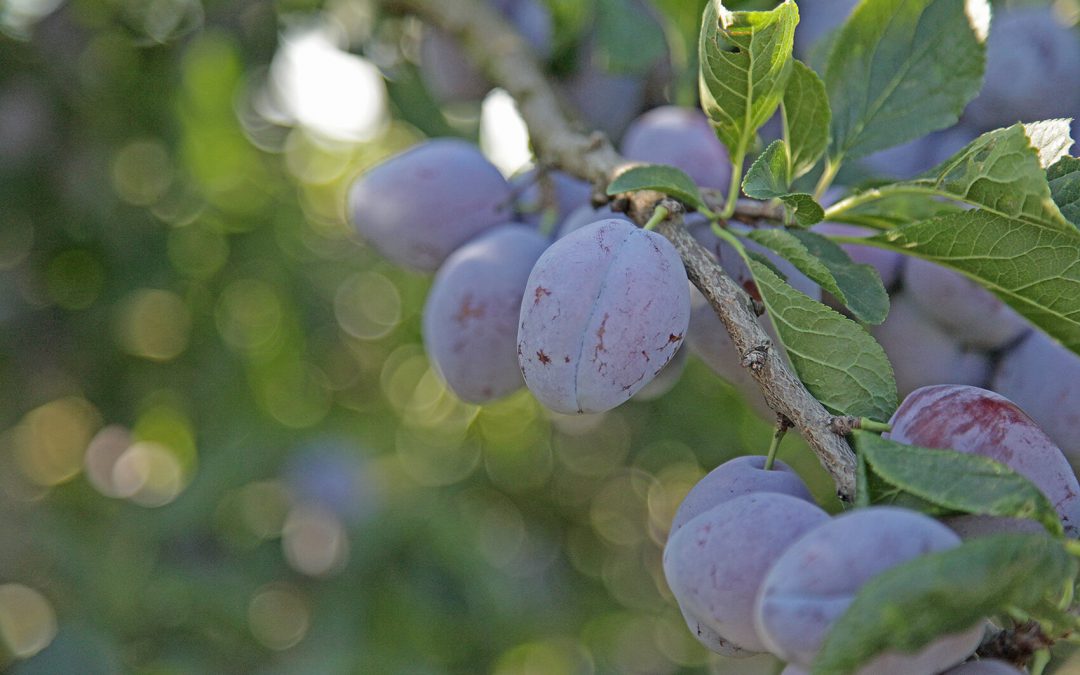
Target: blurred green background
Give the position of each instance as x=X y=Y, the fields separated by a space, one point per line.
x=222 y=448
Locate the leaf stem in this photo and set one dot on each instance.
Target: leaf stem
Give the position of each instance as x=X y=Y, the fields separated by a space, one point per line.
x=867 y=424
x=1039 y=662
x=736 y=183
x=832 y=167
x=778 y=435
x=656 y=218
x=866 y=196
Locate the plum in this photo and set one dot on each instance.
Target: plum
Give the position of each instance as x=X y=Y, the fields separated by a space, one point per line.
x=604 y=310
x=1032 y=67
x=682 y=138
x=985 y=667
x=961 y=307
x=716 y=561
x=584 y=215
x=1043 y=377
x=449 y=73
x=471 y=314
x=417 y=207
x=978 y=421
x=665 y=380
x=814 y=581
x=922 y=354
x=570 y=195
x=737 y=477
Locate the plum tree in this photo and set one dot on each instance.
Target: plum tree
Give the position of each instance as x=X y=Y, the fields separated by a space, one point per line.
x=1043 y=377
x=978 y=421
x=716 y=561
x=417 y=207
x=734 y=478
x=604 y=310
x=682 y=138
x=816 y=578
x=471 y=314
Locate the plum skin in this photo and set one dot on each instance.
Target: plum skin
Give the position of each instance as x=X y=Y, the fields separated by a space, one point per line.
x=734 y=478
x=470 y=316
x=982 y=422
x=418 y=207
x=715 y=562
x=814 y=581
x=604 y=310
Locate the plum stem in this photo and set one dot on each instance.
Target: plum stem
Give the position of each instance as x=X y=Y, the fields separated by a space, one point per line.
x=782 y=425
x=867 y=424
x=656 y=218
x=832 y=166
x=1039 y=661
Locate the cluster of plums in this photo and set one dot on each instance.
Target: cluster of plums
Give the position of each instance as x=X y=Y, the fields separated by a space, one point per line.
x=586 y=317
x=757 y=566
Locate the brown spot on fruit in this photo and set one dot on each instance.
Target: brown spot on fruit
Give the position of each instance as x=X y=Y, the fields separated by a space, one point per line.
x=544 y=358
x=566 y=359
x=540 y=293
x=468 y=310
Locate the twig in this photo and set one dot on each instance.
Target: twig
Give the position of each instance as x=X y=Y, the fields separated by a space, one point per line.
x=504 y=56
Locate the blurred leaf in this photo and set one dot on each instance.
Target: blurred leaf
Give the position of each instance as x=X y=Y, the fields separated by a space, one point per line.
x=1064 y=180
x=745 y=64
x=806 y=119
x=957 y=481
x=837 y=360
x=900 y=69
x=911 y=605
x=660 y=177
x=1033 y=267
x=629 y=36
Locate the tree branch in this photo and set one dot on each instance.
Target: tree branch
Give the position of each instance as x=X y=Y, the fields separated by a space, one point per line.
x=507 y=60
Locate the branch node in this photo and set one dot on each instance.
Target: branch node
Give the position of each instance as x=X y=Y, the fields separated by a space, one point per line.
x=755 y=358
x=842 y=425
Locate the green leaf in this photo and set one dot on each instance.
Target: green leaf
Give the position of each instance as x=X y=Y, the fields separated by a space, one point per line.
x=745 y=62
x=1034 y=268
x=903 y=68
x=893 y=210
x=863 y=292
x=807 y=212
x=662 y=178
x=806 y=119
x=857 y=286
x=909 y=606
x=1003 y=171
x=768 y=178
x=1064 y=180
x=957 y=481
x=837 y=360
x=629 y=40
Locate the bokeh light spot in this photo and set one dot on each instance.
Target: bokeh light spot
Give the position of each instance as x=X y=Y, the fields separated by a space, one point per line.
x=142 y=172
x=279 y=616
x=50 y=440
x=27 y=620
x=367 y=306
x=314 y=541
x=153 y=324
